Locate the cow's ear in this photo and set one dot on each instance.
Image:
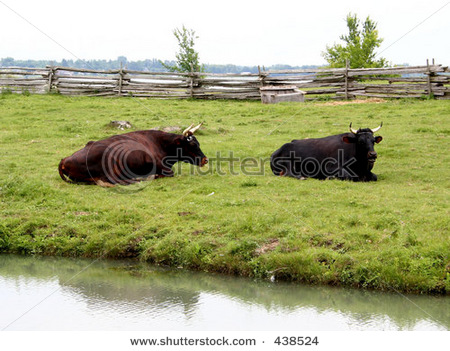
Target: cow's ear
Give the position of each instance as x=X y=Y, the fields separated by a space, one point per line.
x=378 y=139
x=348 y=139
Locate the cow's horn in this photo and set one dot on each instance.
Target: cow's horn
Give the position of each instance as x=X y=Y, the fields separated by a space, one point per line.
x=354 y=131
x=188 y=129
x=193 y=130
x=377 y=129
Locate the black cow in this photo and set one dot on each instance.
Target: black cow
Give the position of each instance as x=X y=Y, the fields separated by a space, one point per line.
x=130 y=157
x=348 y=156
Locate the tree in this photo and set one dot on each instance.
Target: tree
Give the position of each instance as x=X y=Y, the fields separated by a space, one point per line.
x=360 y=46
x=122 y=60
x=7 y=62
x=187 y=57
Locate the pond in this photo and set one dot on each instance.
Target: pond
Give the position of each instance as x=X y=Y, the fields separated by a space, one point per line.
x=46 y=293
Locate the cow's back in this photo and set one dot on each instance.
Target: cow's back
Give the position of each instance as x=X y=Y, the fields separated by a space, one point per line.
x=321 y=148
x=294 y=158
x=103 y=159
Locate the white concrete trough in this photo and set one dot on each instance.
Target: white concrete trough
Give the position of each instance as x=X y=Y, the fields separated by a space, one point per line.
x=281 y=93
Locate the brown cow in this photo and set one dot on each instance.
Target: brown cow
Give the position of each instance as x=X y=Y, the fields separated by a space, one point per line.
x=131 y=157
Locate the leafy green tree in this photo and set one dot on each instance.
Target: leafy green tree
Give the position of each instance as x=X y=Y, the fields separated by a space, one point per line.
x=359 y=48
x=187 y=58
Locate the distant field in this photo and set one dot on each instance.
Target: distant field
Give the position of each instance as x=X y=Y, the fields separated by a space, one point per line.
x=240 y=219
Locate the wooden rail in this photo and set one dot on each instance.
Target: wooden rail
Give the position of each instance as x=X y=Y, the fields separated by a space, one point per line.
x=430 y=80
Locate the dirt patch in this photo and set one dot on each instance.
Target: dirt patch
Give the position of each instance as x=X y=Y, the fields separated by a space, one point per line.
x=357 y=101
x=185 y=213
x=270 y=246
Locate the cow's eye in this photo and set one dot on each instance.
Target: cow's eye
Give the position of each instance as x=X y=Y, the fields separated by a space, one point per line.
x=189 y=138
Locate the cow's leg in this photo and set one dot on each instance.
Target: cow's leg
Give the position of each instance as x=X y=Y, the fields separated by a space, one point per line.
x=372 y=177
x=104 y=184
x=345 y=175
x=369 y=177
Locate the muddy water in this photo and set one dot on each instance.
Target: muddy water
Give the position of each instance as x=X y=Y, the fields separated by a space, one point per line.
x=74 y=294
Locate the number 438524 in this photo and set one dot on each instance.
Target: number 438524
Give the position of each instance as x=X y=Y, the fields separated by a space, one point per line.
x=296 y=341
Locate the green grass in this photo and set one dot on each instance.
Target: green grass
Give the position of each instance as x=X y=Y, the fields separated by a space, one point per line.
x=387 y=235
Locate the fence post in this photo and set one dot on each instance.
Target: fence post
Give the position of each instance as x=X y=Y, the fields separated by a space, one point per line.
x=120 y=79
x=430 y=90
x=262 y=76
x=346 y=79
x=191 y=85
x=259 y=74
x=50 y=78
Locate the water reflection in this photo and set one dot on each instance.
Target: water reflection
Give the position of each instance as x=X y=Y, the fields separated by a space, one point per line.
x=63 y=294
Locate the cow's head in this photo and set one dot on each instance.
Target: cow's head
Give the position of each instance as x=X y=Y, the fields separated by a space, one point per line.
x=190 y=147
x=364 y=141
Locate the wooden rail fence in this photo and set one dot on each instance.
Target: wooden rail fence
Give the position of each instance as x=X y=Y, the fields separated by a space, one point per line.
x=431 y=80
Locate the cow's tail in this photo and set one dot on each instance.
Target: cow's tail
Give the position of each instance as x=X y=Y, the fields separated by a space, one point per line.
x=61 y=172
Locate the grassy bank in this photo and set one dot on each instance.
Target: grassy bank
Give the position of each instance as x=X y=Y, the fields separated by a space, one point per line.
x=237 y=218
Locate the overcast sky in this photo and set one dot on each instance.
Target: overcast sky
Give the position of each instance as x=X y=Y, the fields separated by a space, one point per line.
x=230 y=32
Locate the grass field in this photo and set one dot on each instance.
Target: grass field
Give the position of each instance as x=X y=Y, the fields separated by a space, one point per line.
x=234 y=216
